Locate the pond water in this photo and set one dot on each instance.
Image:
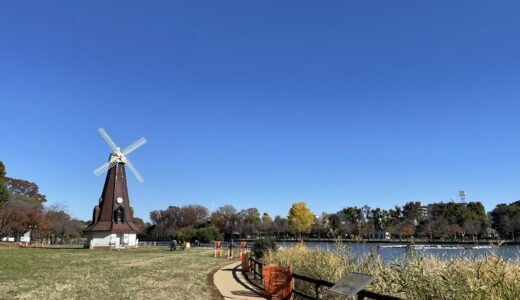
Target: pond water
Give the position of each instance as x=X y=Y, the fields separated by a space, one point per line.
x=390 y=252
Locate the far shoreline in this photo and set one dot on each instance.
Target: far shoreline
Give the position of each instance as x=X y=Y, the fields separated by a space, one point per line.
x=417 y=242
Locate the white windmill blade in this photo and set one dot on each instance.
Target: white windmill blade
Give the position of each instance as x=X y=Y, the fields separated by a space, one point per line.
x=134 y=146
x=104 y=167
x=134 y=171
x=107 y=138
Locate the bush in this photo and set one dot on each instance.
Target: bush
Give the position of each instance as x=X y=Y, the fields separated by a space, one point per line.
x=208 y=234
x=262 y=246
x=204 y=234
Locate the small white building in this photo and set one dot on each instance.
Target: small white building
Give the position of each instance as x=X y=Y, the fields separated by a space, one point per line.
x=380 y=235
x=112 y=240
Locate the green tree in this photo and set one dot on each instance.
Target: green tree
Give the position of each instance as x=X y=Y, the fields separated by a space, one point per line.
x=351 y=214
x=334 y=222
x=4 y=193
x=506 y=219
x=300 y=218
x=411 y=211
x=24 y=190
x=250 y=222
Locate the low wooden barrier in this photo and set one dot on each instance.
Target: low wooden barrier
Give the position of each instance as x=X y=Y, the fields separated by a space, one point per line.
x=319 y=285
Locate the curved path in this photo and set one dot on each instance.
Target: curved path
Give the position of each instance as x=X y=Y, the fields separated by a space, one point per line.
x=231 y=283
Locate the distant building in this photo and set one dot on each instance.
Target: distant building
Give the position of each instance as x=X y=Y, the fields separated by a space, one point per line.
x=380 y=235
x=26 y=237
x=425 y=212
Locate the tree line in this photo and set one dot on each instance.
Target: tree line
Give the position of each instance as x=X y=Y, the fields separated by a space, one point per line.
x=23 y=207
x=435 y=221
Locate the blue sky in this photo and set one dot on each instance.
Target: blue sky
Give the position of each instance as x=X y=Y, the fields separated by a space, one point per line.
x=264 y=103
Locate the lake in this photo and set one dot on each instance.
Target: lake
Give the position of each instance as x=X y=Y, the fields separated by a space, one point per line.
x=389 y=252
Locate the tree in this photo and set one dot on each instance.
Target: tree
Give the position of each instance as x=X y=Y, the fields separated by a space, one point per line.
x=144 y=228
x=267 y=224
x=319 y=226
x=266 y=219
x=395 y=215
x=334 y=222
x=351 y=214
x=504 y=219
x=60 y=224
x=18 y=216
x=249 y=221
x=165 y=222
x=4 y=193
x=353 y=221
x=190 y=215
x=411 y=212
x=281 y=226
x=300 y=218
x=472 y=227
x=475 y=220
x=204 y=234
x=226 y=219
x=24 y=190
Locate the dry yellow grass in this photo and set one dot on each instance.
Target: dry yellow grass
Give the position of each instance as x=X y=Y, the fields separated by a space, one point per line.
x=488 y=277
x=146 y=273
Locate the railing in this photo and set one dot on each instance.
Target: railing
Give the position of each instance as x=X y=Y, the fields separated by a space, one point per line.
x=256 y=270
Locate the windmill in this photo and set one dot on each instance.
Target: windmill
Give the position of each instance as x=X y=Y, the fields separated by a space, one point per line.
x=112 y=223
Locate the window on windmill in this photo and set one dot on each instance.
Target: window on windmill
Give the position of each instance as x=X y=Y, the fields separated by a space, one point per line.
x=119 y=215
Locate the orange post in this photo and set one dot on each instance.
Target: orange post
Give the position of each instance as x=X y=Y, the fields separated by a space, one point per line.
x=277 y=281
x=228 y=256
x=217 y=250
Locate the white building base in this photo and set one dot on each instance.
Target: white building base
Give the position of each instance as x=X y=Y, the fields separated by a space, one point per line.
x=112 y=240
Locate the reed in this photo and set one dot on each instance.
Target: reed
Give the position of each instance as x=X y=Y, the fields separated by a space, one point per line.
x=411 y=277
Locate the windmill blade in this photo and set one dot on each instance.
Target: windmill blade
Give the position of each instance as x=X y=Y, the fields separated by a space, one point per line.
x=134 y=171
x=134 y=146
x=104 y=167
x=107 y=138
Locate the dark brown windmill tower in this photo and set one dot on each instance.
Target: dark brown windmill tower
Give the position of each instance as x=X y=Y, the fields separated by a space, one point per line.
x=113 y=218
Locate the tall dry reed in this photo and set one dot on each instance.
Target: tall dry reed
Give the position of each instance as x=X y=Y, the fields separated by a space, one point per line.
x=487 y=277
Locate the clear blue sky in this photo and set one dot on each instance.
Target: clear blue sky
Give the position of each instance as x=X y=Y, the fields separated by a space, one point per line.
x=264 y=103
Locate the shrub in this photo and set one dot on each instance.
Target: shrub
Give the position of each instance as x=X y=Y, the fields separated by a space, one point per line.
x=208 y=234
x=262 y=246
x=204 y=234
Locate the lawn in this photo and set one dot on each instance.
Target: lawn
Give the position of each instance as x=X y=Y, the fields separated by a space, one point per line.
x=151 y=273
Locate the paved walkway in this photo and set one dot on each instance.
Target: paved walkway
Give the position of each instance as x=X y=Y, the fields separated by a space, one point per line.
x=231 y=283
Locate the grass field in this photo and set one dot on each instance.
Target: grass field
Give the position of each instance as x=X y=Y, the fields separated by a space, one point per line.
x=151 y=273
